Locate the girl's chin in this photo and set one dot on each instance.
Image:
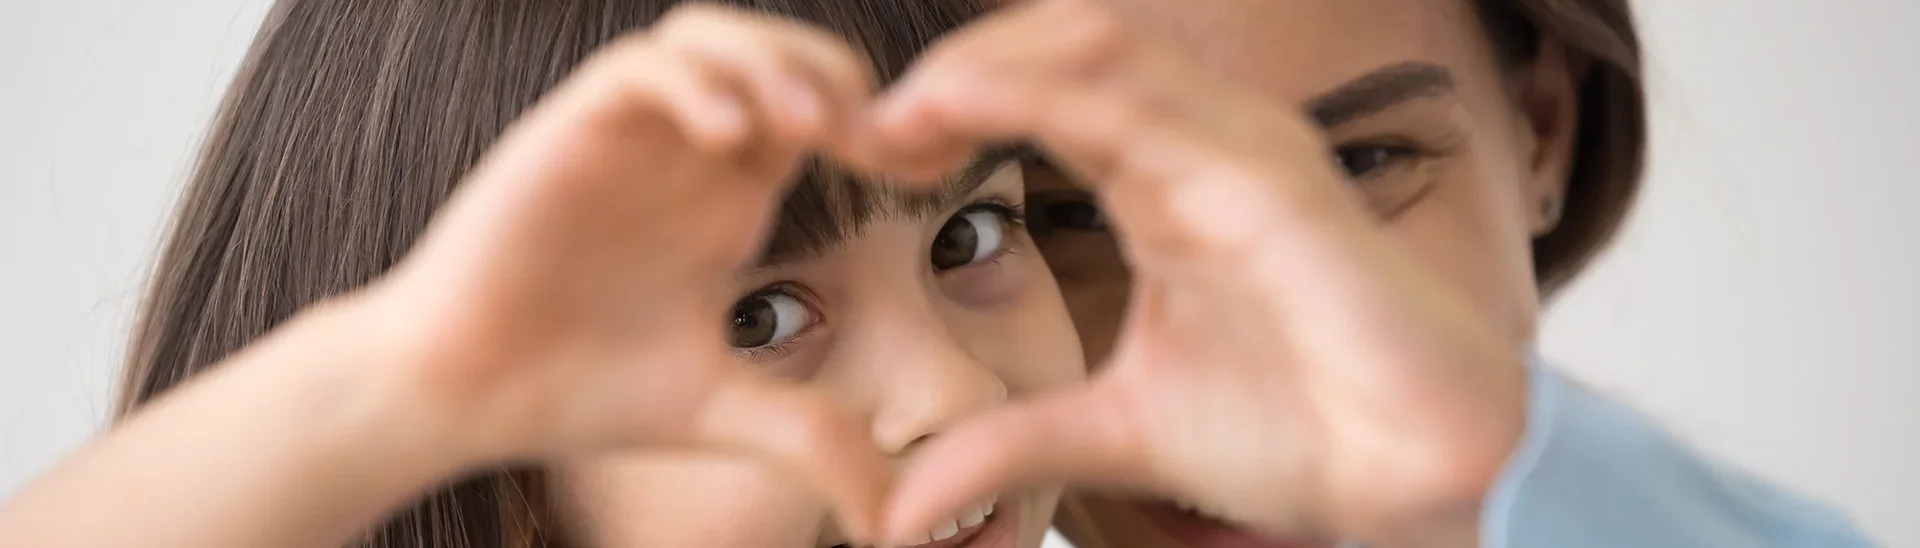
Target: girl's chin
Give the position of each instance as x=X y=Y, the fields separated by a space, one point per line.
x=1197 y=531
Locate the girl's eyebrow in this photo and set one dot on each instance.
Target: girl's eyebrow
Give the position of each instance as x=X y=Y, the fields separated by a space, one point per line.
x=955 y=193
x=829 y=208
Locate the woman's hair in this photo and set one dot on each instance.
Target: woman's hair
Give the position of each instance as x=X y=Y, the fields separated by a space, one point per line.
x=1610 y=148
x=347 y=127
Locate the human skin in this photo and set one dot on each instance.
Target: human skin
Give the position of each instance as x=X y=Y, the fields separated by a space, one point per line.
x=1390 y=373
x=1357 y=332
x=566 y=308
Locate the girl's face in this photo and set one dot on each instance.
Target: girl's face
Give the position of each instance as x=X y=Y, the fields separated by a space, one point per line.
x=935 y=310
x=1454 y=156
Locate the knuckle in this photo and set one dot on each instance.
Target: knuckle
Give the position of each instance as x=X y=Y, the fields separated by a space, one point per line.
x=808 y=34
x=1130 y=111
x=696 y=14
x=1100 y=38
x=1204 y=219
x=611 y=70
x=697 y=23
x=1101 y=28
x=731 y=47
x=1220 y=218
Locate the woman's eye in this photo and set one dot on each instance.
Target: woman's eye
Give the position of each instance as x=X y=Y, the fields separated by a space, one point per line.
x=970 y=237
x=1074 y=214
x=1362 y=161
x=767 y=319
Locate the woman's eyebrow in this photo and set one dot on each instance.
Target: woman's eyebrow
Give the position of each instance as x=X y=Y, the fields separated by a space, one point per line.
x=1379 y=90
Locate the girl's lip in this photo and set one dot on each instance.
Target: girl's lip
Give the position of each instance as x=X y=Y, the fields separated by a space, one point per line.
x=1196 y=531
x=1000 y=530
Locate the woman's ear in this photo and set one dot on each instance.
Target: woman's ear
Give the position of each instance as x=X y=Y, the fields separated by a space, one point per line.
x=1547 y=95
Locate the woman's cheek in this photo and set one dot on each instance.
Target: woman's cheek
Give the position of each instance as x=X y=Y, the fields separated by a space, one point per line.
x=1465 y=232
x=688 y=501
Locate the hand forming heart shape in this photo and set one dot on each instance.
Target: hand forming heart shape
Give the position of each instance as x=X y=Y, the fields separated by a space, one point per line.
x=1285 y=363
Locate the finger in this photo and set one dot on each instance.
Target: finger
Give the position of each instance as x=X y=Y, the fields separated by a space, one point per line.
x=1079 y=436
x=1108 y=139
x=1022 y=43
x=1183 y=179
x=831 y=63
x=1087 y=127
x=804 y=80
x=791 y=106
x=803 y=432
x=925 y=168
x=921 y=150
x=640 y=79
x=1067 y=73
x=738 y=50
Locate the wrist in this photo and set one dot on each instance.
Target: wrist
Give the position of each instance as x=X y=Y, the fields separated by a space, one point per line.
x=300 y=438
x=1449 y=469
x=1445 y=514
x=359 y=380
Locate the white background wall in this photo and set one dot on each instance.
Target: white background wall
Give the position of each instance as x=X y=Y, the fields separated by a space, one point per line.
x=1762 y=302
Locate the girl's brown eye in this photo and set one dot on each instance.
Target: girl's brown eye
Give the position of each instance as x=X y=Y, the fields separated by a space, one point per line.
x=766 y=319
x=970 y=237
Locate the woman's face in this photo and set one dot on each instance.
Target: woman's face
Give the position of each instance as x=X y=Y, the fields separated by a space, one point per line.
x=1455 y=156
x=936 y=310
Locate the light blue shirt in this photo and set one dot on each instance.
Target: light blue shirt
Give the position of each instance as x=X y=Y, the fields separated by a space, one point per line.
x=1592 y=473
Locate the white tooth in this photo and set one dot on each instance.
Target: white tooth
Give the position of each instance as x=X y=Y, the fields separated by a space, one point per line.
x=989 y=505
x=973 y=516
x=924 y=538
x=945 y=531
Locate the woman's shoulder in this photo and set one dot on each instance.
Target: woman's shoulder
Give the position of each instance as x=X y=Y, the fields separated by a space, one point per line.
x=1592 y=471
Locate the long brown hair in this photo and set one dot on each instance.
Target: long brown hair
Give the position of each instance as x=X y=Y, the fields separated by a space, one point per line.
x=347 y=127
x=1611 y=146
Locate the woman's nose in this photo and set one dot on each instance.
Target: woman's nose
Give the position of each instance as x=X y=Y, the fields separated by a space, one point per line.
x=930 y=384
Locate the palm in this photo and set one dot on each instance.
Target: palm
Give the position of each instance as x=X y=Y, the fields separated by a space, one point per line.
x=580 y=274
x=569 y=299
x=1274 y=409
x=1285 y=362
x=1191 y=378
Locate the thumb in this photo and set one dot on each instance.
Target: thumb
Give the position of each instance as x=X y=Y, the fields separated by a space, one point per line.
x=803 y=432
x=1081 y=436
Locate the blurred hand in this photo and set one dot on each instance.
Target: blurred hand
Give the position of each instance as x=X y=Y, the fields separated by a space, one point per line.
x=1284 y=364
x=570 y=297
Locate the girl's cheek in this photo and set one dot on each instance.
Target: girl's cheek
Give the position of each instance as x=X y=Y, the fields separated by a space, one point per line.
x=1001 y=284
